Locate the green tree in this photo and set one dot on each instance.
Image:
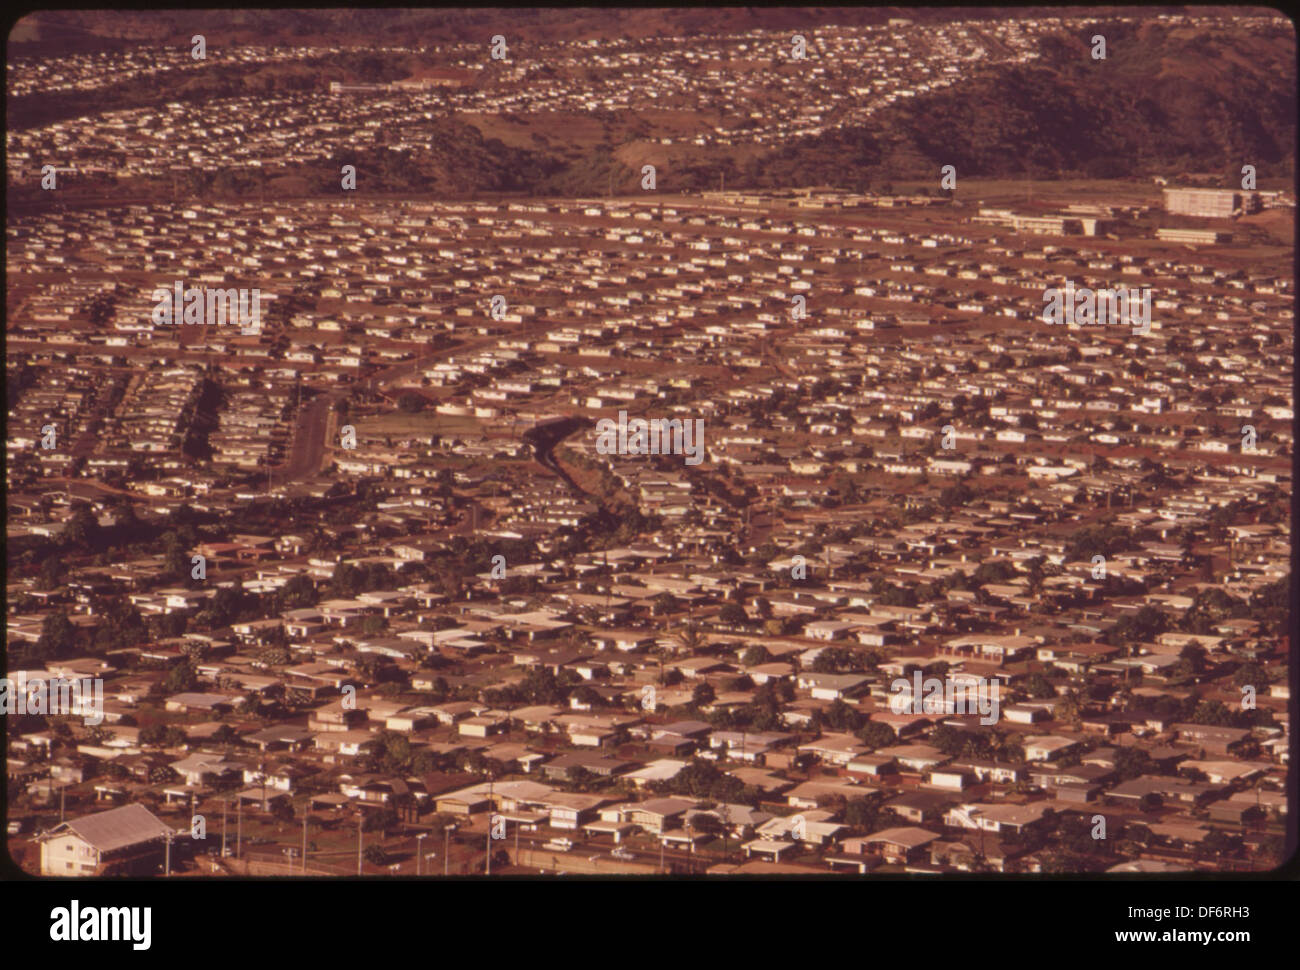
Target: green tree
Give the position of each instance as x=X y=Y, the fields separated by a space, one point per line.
x=1251 y=674
x=411 y=403
x=1214 y=713
x=875 y=735
x=1131 y=762
x=1036 y=685
x=733 y=614
x=182 y=677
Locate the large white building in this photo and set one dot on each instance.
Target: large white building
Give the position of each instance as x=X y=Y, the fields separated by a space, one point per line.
x=1210 y=203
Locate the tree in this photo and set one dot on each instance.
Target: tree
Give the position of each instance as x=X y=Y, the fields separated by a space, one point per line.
x=180 y=678
x=1214 y=713
x=1146 y=624
x=1131 y=763
x=58 y=636
x=441 y=821
x=1195 y=656
x=863 y=814
x=273 y=656
x=839 y=716
x=703 y=695
x=733 y=614
x=1250 y=674
x=1070 y=709
x=298 y=593
x=411 y=402
x=875 y=735
x=664 y=603
x=1036 y=685
x=52 y=572
x=162 y=736
x=581 y=778
x=833 y=660
x=948 y=739
x=177 y=564
x=82 y=528
x=380 y=821
x=707 y=823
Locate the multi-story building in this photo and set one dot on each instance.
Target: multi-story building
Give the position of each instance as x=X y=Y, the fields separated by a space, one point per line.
x=1210 y=203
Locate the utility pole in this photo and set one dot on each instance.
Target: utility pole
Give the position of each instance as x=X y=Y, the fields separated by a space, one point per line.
x=239 y=826
x=304 y=839
x=223 y=828
x=359 y=819
x=491 y=805
x=167 y=866
x=726 y=824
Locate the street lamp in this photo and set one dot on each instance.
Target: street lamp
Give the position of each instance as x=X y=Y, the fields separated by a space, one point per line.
x=446 y=854
x=360 y=821
x=418 y=839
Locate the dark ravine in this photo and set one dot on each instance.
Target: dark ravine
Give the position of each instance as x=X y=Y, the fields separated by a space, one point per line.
x=543 y=438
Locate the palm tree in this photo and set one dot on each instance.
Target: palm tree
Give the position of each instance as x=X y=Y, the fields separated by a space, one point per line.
x=689 y=638
x=1070 y=709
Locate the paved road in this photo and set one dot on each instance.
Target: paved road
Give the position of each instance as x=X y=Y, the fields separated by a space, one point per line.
x=308 y=440
x=467 y=851
x=308 y=451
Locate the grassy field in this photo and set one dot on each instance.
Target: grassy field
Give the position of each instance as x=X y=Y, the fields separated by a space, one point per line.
x=399 y=423
x=1008 y=191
